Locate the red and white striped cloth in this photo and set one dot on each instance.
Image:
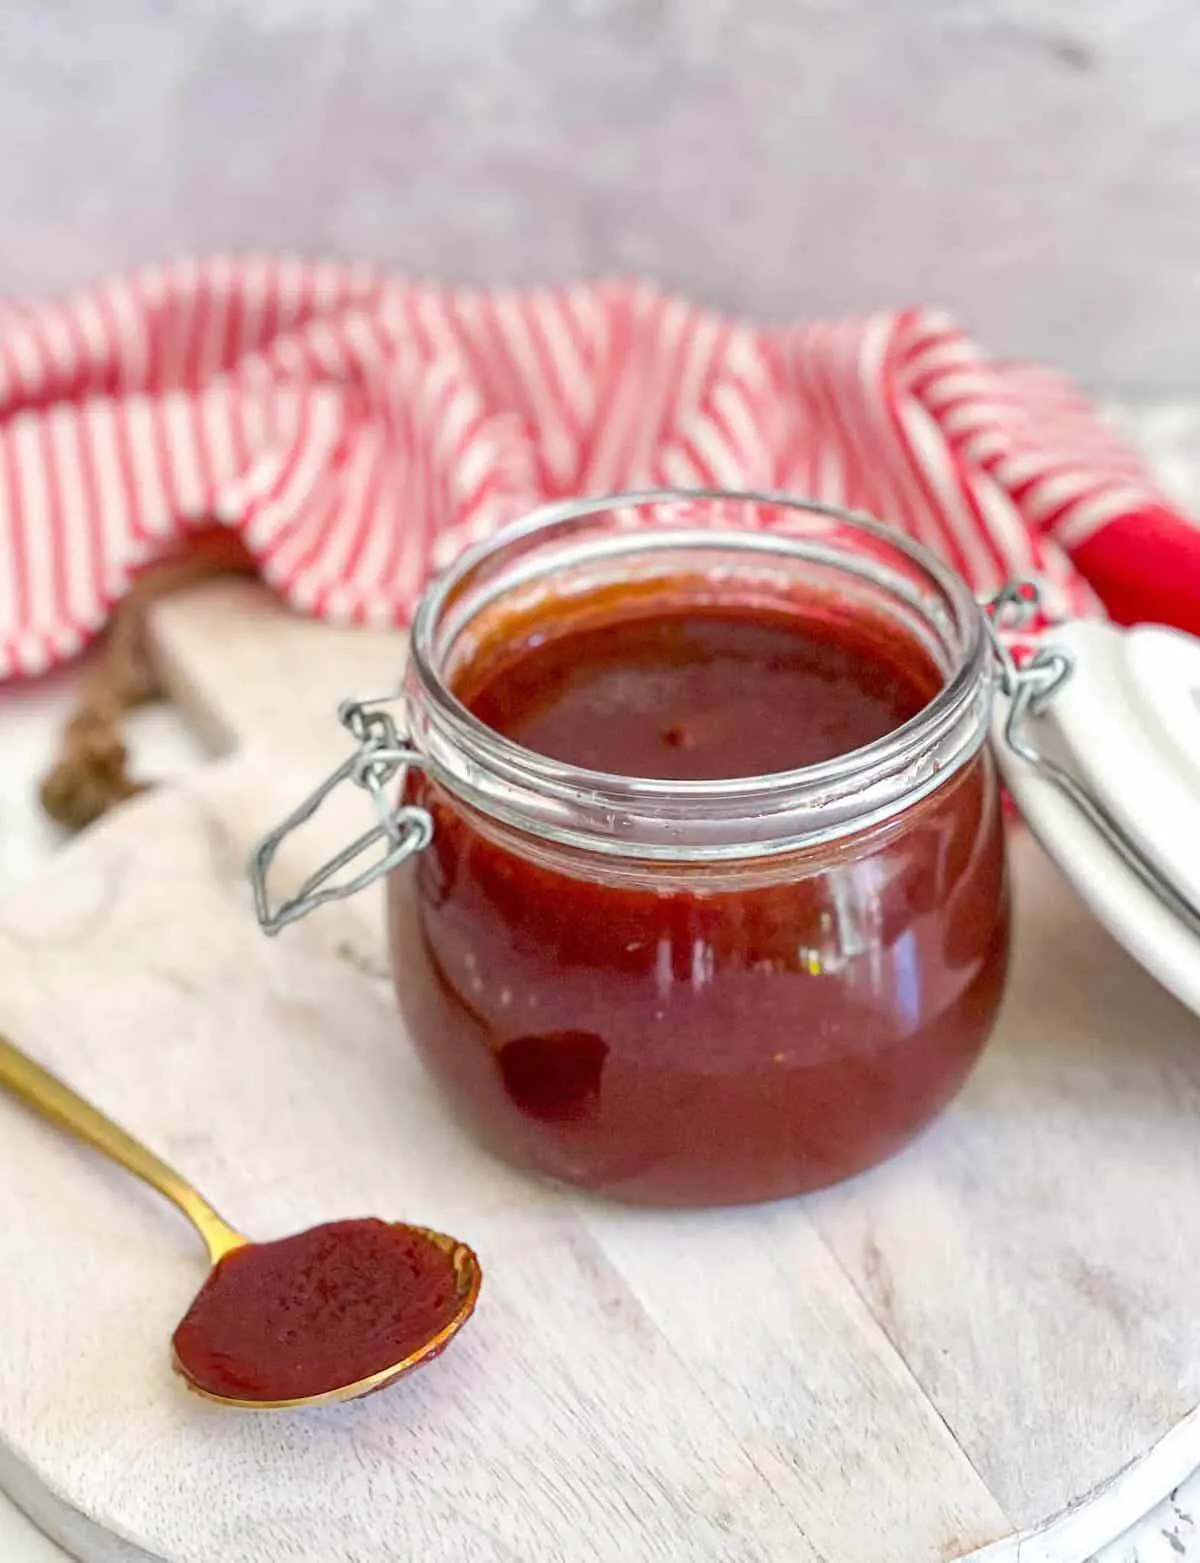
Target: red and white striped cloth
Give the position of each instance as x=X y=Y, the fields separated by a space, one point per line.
x=355 y=429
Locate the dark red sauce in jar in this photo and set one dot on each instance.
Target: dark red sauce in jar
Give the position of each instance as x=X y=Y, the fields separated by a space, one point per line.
x=701 y=694
x=313 y=1313
x=702 y=1032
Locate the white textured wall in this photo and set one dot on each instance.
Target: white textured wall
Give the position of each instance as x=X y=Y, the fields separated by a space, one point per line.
x=1032 y=163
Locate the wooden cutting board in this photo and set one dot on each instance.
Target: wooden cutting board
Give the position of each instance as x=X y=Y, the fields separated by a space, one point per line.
x=992 y=1339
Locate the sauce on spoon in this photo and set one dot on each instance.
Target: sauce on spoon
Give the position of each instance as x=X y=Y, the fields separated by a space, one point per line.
x=338 y=1311
x=338 y=1304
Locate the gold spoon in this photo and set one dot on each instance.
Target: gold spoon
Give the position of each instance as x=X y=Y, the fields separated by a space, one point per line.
x=295 y=1302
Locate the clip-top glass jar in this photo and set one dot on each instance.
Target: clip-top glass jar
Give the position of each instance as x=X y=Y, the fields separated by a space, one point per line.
x=696 y=882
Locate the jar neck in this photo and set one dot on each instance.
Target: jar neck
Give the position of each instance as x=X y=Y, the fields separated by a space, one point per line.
x=810 y=552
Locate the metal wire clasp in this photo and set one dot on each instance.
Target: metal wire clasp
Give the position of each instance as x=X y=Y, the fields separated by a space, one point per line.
x=1028 y=684
x=382 y=756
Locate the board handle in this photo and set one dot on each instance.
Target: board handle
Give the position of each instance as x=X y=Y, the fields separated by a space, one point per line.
x=240 y=667
x=90 y=774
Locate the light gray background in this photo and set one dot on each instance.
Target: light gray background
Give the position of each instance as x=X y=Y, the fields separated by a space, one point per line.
x=1032 y=164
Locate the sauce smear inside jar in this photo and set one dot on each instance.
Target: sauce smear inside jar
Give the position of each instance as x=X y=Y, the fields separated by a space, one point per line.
x=702 y=1032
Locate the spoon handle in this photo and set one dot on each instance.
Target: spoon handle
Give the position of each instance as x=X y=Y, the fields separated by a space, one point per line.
x=47 y=1095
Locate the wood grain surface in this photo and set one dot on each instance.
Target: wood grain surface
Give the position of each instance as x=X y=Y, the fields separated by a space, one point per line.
x=991 y=1338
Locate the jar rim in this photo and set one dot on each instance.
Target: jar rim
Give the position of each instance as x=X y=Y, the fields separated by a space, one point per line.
x=648 y=817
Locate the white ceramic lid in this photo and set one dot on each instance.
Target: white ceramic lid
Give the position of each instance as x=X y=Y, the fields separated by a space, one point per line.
x=1126 y=725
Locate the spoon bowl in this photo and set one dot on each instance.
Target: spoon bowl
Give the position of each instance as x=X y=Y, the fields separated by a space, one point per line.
x=459 y=1272
x=332 y=1313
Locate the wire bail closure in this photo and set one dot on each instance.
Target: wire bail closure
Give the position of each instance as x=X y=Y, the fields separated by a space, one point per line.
x=383 y=755
x=1028 y=687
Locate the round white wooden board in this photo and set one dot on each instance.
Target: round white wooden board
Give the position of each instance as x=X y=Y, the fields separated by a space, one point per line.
x=990 y=1337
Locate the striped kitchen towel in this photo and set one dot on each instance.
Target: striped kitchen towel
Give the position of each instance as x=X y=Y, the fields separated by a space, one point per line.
x=355 y=429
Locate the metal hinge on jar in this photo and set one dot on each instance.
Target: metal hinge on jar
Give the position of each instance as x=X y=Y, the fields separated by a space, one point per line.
x=378 y=766
x=1029 y=686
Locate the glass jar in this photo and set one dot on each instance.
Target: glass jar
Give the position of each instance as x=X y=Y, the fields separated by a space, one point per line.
x=693 y=991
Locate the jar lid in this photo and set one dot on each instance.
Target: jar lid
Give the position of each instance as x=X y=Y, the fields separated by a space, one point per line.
x=1103 y=760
